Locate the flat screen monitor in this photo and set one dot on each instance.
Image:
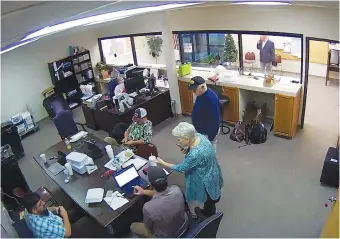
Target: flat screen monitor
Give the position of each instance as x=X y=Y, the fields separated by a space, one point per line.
x=134 y=84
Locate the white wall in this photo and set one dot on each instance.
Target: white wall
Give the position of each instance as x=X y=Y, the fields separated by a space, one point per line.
x=25 y=74
x=310 y=21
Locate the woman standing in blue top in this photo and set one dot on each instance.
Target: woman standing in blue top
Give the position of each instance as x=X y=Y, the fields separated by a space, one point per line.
x=203 y=176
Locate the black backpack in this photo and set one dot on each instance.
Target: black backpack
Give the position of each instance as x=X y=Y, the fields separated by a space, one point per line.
x=256 y=133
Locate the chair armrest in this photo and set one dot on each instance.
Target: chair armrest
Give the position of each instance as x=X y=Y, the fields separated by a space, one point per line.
x=82 y=126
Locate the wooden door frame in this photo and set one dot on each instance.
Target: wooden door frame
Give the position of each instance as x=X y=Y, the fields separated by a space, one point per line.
x=305 y=86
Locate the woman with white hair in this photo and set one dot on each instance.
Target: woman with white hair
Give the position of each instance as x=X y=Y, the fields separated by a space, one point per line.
x=203 y=176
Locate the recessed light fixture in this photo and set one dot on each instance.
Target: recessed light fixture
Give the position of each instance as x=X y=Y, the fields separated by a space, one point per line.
x=16 y=45
x=102 y=18
x=261 y=2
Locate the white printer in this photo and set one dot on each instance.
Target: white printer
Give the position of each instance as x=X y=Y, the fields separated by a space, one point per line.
x=79 y=161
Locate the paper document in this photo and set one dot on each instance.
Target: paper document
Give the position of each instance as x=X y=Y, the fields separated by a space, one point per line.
x=110 y=165
x=137 y=161
x=116 y=201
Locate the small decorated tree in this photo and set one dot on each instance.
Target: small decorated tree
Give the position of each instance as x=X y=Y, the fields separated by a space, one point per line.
x=155 y=44
x=230 y=53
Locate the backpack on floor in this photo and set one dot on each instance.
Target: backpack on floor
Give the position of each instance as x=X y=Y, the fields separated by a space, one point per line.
x=239 y=132
x=256 y=133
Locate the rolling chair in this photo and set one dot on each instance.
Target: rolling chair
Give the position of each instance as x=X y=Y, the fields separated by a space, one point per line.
x=205 y=229
x=54 y=104
x=66 y=125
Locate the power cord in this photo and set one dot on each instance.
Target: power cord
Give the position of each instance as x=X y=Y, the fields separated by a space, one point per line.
x=13 y=198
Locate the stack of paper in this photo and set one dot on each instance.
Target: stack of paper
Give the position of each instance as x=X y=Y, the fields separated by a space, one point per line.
x=116 y=201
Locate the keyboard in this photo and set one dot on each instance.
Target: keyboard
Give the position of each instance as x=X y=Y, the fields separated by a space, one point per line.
x=139 y=182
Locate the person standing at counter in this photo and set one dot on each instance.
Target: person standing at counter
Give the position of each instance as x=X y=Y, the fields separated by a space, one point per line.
x=267 y=53
x=206 y=116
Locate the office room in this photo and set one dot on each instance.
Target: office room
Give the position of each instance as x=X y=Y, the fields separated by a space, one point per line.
x=284 y=185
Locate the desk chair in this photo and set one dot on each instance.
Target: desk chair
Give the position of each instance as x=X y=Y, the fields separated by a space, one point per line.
x=224 y=101
x=65 y=124
x=54 y=104
x=249 y=59
x=146 y=150
x=206 y=229
x=277 y=62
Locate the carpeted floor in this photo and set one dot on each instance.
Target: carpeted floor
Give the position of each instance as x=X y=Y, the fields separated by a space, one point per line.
x=271 y=190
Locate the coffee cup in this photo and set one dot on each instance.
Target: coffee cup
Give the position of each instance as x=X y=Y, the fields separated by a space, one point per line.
x=152 y=160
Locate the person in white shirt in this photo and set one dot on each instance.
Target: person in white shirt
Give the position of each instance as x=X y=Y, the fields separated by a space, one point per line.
x=267 y=53
x=120 y=88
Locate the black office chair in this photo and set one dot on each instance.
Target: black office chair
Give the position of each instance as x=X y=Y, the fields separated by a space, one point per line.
x=54 y=104
x=205 y=229
x=224 y=100
x=66 y=125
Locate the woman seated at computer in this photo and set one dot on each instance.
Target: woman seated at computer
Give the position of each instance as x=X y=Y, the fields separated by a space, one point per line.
x=116 y=84
x=139 y=132
x=203 y=176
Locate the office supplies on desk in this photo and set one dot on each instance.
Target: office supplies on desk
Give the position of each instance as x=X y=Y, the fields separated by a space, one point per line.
x=127 y=178
x=79 y=161
x=125 y=155
x=91 y=168
x=113 y=164
x=138 y=162
x=94 y=195
x=56 y=168
x=116 y=200
x=95 y=149
x=77 y=136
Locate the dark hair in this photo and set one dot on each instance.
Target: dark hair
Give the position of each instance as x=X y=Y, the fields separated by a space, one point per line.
x=160 y=186
x=110 y=71
x=30 y=201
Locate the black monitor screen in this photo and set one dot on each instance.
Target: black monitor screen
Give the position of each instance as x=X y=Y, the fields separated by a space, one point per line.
x=134 y=84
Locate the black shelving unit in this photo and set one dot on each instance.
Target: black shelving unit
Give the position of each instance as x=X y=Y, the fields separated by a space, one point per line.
x=82 y=66
x=69 y=73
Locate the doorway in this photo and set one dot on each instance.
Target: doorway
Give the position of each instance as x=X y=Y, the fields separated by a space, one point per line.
x=320 y=110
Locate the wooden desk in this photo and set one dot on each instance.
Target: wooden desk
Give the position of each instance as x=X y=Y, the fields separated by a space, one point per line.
x=157 y=106
x=79 y=184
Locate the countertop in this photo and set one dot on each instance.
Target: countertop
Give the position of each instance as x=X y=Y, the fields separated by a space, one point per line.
x=283 y=87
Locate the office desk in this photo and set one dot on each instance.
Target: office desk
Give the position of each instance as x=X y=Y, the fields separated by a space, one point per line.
x=79 y=184
x=284 y=96
x=158 y=107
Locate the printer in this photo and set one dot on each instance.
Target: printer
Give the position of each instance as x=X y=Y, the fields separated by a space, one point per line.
x=79 y=161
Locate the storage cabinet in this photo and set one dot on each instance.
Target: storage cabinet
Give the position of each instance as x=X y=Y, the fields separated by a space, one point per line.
x=187 y=99
x=231 y=111
x=286 y=115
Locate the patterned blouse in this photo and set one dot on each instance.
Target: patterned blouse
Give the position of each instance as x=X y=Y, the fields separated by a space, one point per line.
x=140 y=131
x=202 y=172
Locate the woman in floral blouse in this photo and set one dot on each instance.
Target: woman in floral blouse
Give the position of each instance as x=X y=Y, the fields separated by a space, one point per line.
x=139 y=132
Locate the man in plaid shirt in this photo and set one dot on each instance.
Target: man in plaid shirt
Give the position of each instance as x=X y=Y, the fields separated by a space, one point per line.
x=52 y=222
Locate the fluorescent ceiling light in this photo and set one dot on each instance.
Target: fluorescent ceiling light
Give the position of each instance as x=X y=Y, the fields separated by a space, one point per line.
x=102 y=18
x=261 y=3
x=18 y=44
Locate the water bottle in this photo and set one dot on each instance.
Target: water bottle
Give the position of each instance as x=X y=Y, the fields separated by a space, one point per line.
x=67 y=143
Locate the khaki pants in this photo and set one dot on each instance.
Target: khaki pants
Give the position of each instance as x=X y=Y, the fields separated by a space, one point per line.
x=140 y=229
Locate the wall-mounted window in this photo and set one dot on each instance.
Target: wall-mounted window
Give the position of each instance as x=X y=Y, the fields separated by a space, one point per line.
x=209 y=49
x=117 y=51
x=149 y=50
x=284 y=50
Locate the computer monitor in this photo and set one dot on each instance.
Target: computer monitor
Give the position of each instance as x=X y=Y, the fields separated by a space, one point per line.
x=134 y=84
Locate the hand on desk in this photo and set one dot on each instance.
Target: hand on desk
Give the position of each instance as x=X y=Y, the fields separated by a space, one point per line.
x=124 y=140
x=131 y=142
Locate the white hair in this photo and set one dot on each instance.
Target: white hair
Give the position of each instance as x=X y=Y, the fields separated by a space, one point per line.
x=184 y=130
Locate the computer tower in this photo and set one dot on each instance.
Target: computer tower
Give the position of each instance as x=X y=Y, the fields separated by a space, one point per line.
x=330 y=170
x=10 y=135
x=11 y=178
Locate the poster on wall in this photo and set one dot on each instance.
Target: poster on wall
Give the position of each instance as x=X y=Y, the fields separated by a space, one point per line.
x=187 y=47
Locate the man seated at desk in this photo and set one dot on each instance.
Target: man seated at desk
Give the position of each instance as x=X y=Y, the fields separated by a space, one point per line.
x=52 y=222
x=139 y=132
x=164 y=215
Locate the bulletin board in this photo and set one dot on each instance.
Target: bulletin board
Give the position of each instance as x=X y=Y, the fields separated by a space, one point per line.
x=318 y=52
x=294 y=47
